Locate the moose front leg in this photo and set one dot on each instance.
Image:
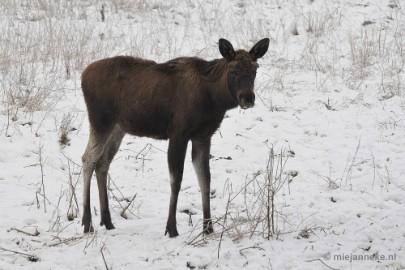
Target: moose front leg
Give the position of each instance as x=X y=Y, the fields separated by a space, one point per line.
x=201 y=158
x=175 y=156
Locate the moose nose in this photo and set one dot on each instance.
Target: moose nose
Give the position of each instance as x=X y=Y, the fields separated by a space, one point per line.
x=246 y=101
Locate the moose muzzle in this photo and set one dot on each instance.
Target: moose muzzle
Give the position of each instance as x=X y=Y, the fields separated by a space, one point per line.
x=247 y=100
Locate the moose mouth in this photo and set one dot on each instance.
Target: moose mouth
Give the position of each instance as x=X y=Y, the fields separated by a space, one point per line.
x=247 y=103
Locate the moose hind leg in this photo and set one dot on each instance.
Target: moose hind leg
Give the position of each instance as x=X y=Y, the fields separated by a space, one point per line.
x=200 y=155
x=102 y=167
x=92 y=154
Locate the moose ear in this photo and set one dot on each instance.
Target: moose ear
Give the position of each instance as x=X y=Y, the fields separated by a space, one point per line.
x=226 y=49
x=259 y=49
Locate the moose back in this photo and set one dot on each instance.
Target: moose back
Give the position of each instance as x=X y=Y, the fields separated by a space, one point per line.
x=181 y=100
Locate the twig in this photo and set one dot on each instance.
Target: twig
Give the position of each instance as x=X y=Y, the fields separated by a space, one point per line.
x=65 y=241
x=225 y=217
x=56 y=212
x=349 y=167
x=244 y=187
x=102 y=254
x=41 y=165
x=242 y=254
x=8 y=118
x=61 y=230
x=88 y=243
x=322 y=263
x=260 y=248
x=73 y=210
x=270 y=195
x=30 y=257
x=240 y=147
x=126 y=207
x=36 y=233
x=194 y=242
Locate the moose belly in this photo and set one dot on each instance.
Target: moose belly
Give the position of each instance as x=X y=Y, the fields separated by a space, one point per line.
x=152 y=127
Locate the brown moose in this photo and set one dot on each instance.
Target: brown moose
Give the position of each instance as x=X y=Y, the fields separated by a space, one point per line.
x=181 y=100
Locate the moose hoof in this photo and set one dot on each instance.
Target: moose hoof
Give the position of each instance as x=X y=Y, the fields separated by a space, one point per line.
x=172 y=232
x=108 y=225
x=208 y=229
x=88 y=228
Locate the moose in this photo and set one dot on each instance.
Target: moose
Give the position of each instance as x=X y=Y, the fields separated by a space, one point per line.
x=180 y=100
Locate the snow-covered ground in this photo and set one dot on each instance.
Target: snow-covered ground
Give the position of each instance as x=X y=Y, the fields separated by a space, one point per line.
x=330 y=96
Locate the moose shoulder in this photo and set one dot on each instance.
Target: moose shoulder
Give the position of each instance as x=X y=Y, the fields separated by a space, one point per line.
x=181 y=100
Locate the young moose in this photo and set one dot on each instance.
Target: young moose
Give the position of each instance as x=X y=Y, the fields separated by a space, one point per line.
x=180 y=100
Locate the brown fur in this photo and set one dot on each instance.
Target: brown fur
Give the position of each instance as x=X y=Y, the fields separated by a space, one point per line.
x=180 y=100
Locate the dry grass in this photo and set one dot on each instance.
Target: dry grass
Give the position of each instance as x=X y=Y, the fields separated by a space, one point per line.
x=262 y=212
x=65 y=127
x=40 y=52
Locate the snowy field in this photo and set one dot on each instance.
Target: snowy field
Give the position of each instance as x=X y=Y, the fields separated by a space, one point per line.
x=330 y=103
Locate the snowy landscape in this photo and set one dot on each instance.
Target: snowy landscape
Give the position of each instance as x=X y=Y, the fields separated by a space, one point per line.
x=312 y=177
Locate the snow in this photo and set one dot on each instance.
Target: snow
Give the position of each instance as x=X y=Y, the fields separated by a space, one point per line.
x=331 y=95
